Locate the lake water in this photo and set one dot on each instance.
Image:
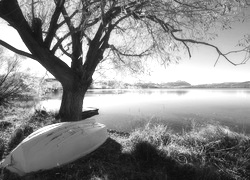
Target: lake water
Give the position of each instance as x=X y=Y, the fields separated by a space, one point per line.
x=178 y=108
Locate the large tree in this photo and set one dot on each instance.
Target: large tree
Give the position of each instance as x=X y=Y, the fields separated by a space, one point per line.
x=92 y=31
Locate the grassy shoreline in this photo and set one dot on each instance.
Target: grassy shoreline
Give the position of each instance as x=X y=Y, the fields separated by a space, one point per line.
x=152 y=152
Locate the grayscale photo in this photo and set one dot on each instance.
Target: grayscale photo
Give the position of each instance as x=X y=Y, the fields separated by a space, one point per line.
x=124 y=89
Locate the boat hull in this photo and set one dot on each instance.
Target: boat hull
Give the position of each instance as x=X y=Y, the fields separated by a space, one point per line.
x=55 y=145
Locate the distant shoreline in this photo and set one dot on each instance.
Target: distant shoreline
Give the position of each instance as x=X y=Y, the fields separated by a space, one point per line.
x=52 y=85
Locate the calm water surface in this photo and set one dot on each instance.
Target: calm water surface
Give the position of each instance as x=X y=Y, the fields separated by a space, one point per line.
x=178 y=108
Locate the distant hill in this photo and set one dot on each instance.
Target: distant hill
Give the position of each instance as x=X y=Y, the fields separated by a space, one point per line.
x=224 y=85
x=52 y=84
x=140 y=85
x=178 y=84
x=184 y=84
x=168 y=85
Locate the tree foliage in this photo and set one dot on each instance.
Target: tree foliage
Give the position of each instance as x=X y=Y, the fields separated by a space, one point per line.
x=126 y=28
x=245 y=44
x=123 y=32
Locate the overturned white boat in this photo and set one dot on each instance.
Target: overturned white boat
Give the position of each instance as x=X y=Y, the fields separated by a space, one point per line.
x=55 y=145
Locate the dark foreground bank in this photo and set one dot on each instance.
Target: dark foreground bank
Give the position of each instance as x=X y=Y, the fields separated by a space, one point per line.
x=152 y=152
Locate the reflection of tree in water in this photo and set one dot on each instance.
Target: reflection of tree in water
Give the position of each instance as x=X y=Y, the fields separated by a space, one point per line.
x=177 y=92
x=57 y=94
x=162 y=92
x=107 y=91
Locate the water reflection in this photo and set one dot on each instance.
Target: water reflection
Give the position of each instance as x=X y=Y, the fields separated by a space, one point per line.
x=136 y=91
x=178 y=92
x=128 y=109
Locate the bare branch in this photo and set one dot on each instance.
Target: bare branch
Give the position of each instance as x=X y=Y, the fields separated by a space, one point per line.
x=59 y=42
x=246 y=49
x=105 y=39
x=119 y=20
x=144 y=53
x=67 y=19
x=18 y=51
x=189 y=5
x=65 y=52
x=53 y=23
x=62 y=48
x=87 y=37
x=247 y=55
x=70 y=17
x=188 y=49
x=93 y=22
x=207 y=44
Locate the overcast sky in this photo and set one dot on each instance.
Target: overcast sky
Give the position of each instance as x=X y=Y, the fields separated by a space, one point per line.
x=196 y=70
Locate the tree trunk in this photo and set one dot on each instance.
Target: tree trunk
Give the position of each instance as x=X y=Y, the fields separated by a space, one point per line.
x=72 y=103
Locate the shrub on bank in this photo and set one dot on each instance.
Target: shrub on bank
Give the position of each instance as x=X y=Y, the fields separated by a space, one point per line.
x=2 y=148
x=19 y=134
x=4 y=124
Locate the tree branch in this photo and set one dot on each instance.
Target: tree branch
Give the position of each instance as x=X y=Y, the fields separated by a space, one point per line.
x=114 y=49
x=170 y=29
x=87 y=37
x=94 y=21
x=15 y=50
x=188 y=5
x=207 y=44
x=67 y=19
x=70 y=17
x=246 y=49
x=53 y=23
x=60 y=41
x=63 y=50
